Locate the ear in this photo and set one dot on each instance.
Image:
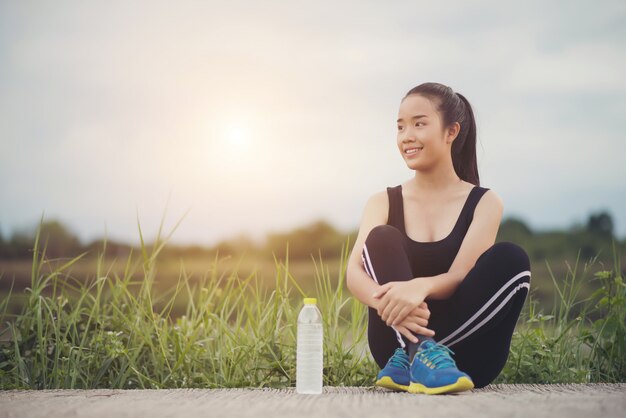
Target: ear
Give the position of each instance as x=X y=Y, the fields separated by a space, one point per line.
x=452 y=132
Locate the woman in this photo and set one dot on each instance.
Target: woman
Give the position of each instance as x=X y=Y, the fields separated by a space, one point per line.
x=443 y=298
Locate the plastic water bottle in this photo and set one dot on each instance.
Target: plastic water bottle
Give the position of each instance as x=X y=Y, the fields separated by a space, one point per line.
x=310 y=349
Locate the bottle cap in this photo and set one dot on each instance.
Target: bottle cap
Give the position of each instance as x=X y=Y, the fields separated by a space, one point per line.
x=310 y=301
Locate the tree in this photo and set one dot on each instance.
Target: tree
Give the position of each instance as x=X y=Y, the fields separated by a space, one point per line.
x=600 y=223
x=319 y=236
x=59 y=240
x=514 y=230
x=237 y=245
x=18 y=246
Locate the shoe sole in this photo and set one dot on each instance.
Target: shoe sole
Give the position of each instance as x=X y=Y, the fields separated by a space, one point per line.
x=387 y=382
x=463 y=383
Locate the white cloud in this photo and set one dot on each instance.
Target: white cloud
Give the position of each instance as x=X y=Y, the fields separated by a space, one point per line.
x=581 y=68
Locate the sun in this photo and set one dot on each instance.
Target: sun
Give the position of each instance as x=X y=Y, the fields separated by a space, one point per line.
x=237 y=136
x=236 y=149
x=231 y=143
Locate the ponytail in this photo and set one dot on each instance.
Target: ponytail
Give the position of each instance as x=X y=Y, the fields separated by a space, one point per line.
x=464 y=146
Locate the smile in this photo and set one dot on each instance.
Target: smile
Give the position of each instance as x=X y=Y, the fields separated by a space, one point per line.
x=409 y=151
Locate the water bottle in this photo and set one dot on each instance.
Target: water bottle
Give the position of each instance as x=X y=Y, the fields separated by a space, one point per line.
x=310 y=349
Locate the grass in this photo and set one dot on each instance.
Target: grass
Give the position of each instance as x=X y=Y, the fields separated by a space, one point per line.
x=567 y=346
x=116 y=331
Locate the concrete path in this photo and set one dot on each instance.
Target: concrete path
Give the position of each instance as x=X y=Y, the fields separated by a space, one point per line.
x=574 y=400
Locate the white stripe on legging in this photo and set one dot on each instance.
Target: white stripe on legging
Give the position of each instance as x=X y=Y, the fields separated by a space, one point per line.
x=518 y=287
x=493 y=298
x=367 y=263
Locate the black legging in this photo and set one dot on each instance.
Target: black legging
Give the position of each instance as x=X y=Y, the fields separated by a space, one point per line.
x=476 y=322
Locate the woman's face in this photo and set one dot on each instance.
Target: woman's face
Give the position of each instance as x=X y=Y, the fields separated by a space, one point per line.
x=421 y=139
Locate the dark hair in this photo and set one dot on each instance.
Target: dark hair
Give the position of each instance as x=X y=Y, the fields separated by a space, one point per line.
x=453 y=107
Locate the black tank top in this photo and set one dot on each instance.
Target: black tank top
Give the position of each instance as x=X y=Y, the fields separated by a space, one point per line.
x=436 y=257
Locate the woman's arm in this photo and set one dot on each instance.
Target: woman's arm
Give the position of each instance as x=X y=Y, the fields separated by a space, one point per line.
x=363 y=287
x=480 y=236
x=359 y=283
x=397 y=299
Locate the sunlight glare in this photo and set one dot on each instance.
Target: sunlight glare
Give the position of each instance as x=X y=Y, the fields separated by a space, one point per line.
x=238 y=136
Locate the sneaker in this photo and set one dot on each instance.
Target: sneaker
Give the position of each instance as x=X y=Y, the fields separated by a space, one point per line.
x=433 y=371
x=395 y=374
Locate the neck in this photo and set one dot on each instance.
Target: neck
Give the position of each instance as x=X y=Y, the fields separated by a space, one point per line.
x=440 y=178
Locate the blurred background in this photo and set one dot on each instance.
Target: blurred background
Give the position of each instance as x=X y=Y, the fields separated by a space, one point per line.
x=266 y=123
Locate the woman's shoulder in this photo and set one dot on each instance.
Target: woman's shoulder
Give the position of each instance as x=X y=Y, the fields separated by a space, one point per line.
x=378 y=202
x=376 y=208
x=487 y=192
x=490 y=201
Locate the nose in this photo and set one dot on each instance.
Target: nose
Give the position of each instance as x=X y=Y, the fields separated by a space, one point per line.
x=407 y=136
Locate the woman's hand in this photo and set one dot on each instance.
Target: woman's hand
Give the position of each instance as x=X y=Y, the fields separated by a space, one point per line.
x=397 y=299
x=415 y=323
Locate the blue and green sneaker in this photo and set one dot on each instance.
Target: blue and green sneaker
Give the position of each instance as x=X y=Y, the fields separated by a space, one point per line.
x=433 y=371
x=395 y=374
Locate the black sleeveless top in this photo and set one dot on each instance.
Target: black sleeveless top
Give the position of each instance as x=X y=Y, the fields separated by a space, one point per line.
x=436 y=257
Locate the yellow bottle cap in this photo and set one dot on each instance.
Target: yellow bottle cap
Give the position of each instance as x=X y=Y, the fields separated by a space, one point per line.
x=310 y=301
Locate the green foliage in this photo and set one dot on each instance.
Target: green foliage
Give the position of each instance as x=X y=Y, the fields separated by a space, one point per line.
x=57 y=237
x=601 y=224
x=109 y=333
x=318 y=236
x=568 y=347
x=114 y=331
x=591 y=240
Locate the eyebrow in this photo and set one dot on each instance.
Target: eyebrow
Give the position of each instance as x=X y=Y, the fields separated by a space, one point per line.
x=414 y=117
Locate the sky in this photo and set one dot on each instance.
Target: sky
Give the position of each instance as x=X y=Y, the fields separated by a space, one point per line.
x=247 y=118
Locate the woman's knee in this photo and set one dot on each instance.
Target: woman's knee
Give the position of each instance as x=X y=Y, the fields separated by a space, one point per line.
x=510 y=254
x=385 y=235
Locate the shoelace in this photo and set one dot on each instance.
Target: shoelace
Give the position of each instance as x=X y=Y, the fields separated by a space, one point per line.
x=400 y=358
x=437 y=354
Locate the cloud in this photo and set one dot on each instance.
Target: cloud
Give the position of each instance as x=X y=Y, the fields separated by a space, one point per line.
x=583 y=68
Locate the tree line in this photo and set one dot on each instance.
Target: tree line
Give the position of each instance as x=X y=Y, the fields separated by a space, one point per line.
x=321 y=238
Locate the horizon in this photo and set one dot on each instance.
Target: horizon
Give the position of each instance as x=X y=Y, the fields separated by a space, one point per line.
x=262 y=239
